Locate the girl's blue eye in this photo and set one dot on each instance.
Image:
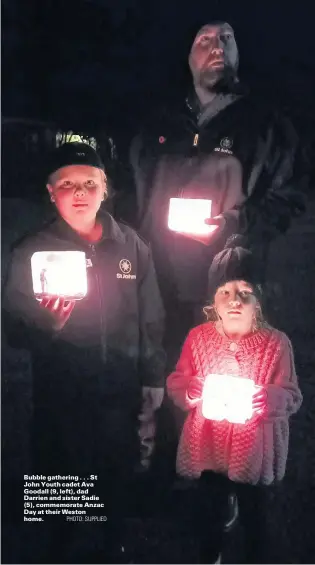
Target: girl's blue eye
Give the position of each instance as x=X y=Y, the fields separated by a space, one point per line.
x=65 y=184
x=245 y=293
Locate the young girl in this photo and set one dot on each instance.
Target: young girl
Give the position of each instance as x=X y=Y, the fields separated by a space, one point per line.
x=232 y=457
x=97 y=363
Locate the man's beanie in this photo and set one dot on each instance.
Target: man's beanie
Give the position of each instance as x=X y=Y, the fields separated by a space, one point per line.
x=73 y=153
x=234 y=263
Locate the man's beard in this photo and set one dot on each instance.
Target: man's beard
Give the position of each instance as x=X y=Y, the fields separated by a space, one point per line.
x=220 y=81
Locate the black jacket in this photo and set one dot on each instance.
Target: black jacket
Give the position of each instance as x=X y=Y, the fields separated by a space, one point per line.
x=113 y=335
x=245 y=159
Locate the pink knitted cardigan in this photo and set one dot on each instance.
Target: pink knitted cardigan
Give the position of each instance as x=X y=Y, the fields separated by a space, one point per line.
x=254 y=452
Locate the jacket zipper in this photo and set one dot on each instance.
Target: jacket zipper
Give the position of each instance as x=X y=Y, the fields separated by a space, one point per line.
x=196 y=140
x=195 y=145
x=102 y=321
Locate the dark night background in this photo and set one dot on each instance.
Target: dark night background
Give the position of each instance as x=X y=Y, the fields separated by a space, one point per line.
x=101 y=67
x=92 y=63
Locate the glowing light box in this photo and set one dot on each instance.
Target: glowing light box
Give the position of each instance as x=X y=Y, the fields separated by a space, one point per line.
x=227 y=397
x=59 y=273
x=187 y=215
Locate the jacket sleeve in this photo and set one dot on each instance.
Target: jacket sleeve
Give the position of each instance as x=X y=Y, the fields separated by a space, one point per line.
x=151 y=312
x=184 y=385
x=275 y=186
x=284 y=397
x=152 y=357
x=25 y=323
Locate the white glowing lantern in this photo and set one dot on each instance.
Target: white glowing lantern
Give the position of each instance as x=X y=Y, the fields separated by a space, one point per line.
x=227 y=397
x=188 y=215
x=59 y=273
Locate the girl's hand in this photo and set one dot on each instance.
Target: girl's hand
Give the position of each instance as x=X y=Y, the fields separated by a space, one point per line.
x=260 y=402
x=195 y=388
x=59 y=309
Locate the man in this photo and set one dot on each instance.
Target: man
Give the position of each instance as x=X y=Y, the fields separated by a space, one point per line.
x=222 y=145
x=97 y=362
x=225 y=146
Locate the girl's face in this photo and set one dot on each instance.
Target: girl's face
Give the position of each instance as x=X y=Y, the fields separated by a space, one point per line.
x=237 y=306
x=78 y=191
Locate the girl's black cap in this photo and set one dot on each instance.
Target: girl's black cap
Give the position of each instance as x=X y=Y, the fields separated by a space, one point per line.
x=74 y=153
x=235 y=263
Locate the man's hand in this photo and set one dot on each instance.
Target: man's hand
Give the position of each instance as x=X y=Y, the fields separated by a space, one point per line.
x=216 y=221
x=59 y=310
x=218 y=224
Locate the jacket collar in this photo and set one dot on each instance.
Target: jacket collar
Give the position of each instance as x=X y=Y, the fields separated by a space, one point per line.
x=192 y=104
x=111 y=230
x=203 y=115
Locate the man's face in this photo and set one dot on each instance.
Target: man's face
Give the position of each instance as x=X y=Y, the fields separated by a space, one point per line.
x=213 y=53
x=77 y=191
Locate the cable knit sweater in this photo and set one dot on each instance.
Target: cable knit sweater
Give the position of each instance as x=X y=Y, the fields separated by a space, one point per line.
x=254 y=452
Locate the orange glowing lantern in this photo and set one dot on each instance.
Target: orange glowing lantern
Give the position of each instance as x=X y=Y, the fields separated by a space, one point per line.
x=188 y=215
x=59 y=273
x=227 y=397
